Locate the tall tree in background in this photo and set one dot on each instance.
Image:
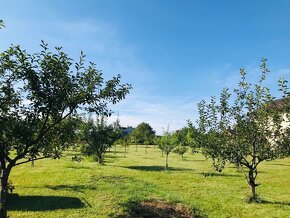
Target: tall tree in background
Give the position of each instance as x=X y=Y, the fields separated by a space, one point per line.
x=143 y=134
x=247 y=130
x=39 y=95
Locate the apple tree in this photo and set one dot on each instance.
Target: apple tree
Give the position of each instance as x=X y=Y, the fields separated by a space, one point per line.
x=40 y=95
x=247 y=129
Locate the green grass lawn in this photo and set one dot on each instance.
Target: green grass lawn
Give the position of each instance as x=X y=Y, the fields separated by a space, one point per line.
x=62 y=188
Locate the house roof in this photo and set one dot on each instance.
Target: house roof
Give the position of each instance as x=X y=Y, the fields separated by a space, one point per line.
x=280 y=103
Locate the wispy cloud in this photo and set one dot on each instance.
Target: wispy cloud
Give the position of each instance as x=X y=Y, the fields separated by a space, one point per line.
x=159 y=112
x=104 y=44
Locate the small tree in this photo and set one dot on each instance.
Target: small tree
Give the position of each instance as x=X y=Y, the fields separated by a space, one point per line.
x=185 y=138
x=132 y=141
x=99 y=137
x=166 y=144
x=124 y=142
x=181 y=150
x=40 y=94
x=247 y=130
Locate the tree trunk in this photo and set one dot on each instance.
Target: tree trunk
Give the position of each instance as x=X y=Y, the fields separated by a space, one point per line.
x=4 y=191
x=146 y=149
x=254 y=195
x=252 y=178
x=166 y=161
x=182 y=158
x=100 y=159
x=136 y=148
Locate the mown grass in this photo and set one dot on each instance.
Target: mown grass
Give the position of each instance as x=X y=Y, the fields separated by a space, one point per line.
x=62 y=188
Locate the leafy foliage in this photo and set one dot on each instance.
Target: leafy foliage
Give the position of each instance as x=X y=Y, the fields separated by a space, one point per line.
x=143 y=134
x=166 y=144
x=247 y=130
x=98 y=137
x=186 y=138
x=40 y=96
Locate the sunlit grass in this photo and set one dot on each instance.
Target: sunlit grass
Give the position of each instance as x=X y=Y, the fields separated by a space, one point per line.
x=62 y=188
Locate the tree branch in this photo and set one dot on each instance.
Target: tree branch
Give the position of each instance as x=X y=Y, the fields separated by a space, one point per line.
x=30 y=160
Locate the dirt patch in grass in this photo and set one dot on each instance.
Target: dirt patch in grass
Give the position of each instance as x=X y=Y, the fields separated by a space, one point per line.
x=159 y=209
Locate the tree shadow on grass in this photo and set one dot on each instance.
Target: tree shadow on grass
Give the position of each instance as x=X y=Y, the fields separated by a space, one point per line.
x=156 y=168
x=115 y=152
x=113 y=179
x=275 y=202
x=199 y=160
x=113 y=156
x=148 y=158
x=279 y=164
x=78 y=167
x=219 y=174
x=76 y=188
x=239 y=170
x=42 y=203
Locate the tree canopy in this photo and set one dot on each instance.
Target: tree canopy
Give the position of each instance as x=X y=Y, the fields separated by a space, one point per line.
x=143 y=134
x=166 y=143
x=245 y=130
x=39 y=95
x=98 y=136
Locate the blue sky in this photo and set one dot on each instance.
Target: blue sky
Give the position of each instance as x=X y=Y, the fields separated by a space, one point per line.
x=174 y=53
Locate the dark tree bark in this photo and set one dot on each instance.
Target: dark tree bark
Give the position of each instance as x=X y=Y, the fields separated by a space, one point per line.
x=252 y=183
x=166 y=161
x=125 y=151
x=5 y=171
x=100 y=159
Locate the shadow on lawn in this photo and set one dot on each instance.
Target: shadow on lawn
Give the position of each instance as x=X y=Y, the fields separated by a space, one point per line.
x=42 y=203
x=275 y=202
x=115 y=152
x=199 y=160
x=76 y=188
x=112 y=156
x=113 y=179
x=156 y=168
x=78 y=167
x=219 y=174
x=279 y=164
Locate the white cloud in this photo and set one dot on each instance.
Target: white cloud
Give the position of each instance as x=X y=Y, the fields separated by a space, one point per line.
x=159 y=112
